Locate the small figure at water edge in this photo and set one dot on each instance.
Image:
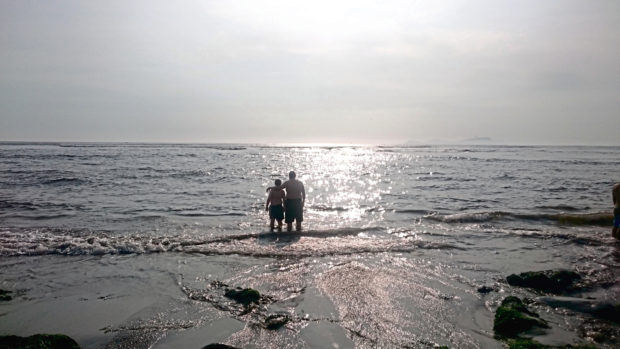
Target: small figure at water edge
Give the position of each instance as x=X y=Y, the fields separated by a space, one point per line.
x=615 y=231
x=274 y=205
x=294 y=203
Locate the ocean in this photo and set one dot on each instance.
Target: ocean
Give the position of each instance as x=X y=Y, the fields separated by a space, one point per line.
x=132 y=245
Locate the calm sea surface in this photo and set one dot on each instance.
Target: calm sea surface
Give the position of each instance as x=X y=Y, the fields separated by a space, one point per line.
x=428 y=225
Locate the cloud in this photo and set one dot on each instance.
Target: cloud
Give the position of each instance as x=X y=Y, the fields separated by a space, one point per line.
x=346 y=70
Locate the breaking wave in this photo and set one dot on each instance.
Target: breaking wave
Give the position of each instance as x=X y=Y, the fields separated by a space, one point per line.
x=311 y=243
x=603 y=219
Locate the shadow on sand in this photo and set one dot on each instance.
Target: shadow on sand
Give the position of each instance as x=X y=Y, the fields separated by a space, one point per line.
x=281 y=239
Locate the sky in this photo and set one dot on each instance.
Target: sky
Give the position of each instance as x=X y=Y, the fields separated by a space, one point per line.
x=282 y=71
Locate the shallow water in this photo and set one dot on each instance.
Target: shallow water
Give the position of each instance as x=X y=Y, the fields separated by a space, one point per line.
x=124 y=242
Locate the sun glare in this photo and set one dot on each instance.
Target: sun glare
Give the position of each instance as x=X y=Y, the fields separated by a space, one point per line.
x=316 y=21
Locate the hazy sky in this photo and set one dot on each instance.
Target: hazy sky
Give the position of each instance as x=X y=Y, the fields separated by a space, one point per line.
x=313 y=71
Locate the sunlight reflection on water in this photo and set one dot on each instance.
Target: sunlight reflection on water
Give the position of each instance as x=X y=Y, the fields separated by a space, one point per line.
x=344 y=186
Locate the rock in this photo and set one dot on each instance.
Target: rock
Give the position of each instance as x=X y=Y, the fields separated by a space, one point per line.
x=275 y=321
x=512 y=318
x=38 y=341
x=550 y=281
x=244 y=296
x=217 y=346
x=608 y=312
x=5 y=295
x=527 y=343
x=485 y=289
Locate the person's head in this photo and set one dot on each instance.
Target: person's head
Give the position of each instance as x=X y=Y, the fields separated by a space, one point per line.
x=278 y=182
x=291 y=175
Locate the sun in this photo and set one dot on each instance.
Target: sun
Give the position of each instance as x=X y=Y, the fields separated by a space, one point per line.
x=312 y=22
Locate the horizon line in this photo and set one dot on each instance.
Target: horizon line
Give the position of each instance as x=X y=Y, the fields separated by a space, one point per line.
x=307 y=144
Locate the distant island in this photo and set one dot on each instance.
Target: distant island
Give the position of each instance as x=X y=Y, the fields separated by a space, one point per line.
x=477 y=140
x=473 y=140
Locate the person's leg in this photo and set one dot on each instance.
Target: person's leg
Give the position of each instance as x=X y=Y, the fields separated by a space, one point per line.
x=279 y=225
x=299 y=216
x=615 y=232
x=289 y=214
x=272 y=223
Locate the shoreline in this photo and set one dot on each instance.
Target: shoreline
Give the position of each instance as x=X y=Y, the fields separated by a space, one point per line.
x=140 y=299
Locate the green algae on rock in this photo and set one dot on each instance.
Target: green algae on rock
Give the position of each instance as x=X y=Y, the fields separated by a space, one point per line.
x=244 y=296
x=550 y=281
x=512 y=318
x=38 y=341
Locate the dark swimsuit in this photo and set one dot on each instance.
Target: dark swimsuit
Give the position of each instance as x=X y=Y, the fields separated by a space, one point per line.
x=276 y=212
x=294 y=210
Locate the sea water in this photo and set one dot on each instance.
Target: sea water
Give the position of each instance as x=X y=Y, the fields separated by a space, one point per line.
x=129 y=245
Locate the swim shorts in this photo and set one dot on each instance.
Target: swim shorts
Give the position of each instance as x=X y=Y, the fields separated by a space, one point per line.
x=616 y=217
x=276 y=212
x=294 y=211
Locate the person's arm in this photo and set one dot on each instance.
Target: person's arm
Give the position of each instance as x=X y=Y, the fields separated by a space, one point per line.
x=303 y=194
x=281 y=186
x=267 y=203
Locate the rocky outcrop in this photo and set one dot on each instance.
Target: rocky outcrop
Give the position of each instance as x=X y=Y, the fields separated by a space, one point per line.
x=512 y=318
x=549 y=281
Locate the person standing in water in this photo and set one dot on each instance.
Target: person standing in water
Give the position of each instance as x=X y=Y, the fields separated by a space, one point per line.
x=294 y=203
x=615 y=194
x=274 y=203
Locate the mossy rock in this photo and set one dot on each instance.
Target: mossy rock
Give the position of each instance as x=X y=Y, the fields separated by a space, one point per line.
x=527 y=343
x=275 y=321
x=5 y=295
x=550 y=281
x=244 y=296
x=512 y=318
x=38 y=341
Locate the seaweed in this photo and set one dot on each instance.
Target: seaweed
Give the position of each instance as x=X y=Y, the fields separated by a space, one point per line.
x=512 y=318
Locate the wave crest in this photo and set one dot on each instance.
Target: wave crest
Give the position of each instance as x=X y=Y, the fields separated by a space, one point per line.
x=603 y=219
x=344 y=241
